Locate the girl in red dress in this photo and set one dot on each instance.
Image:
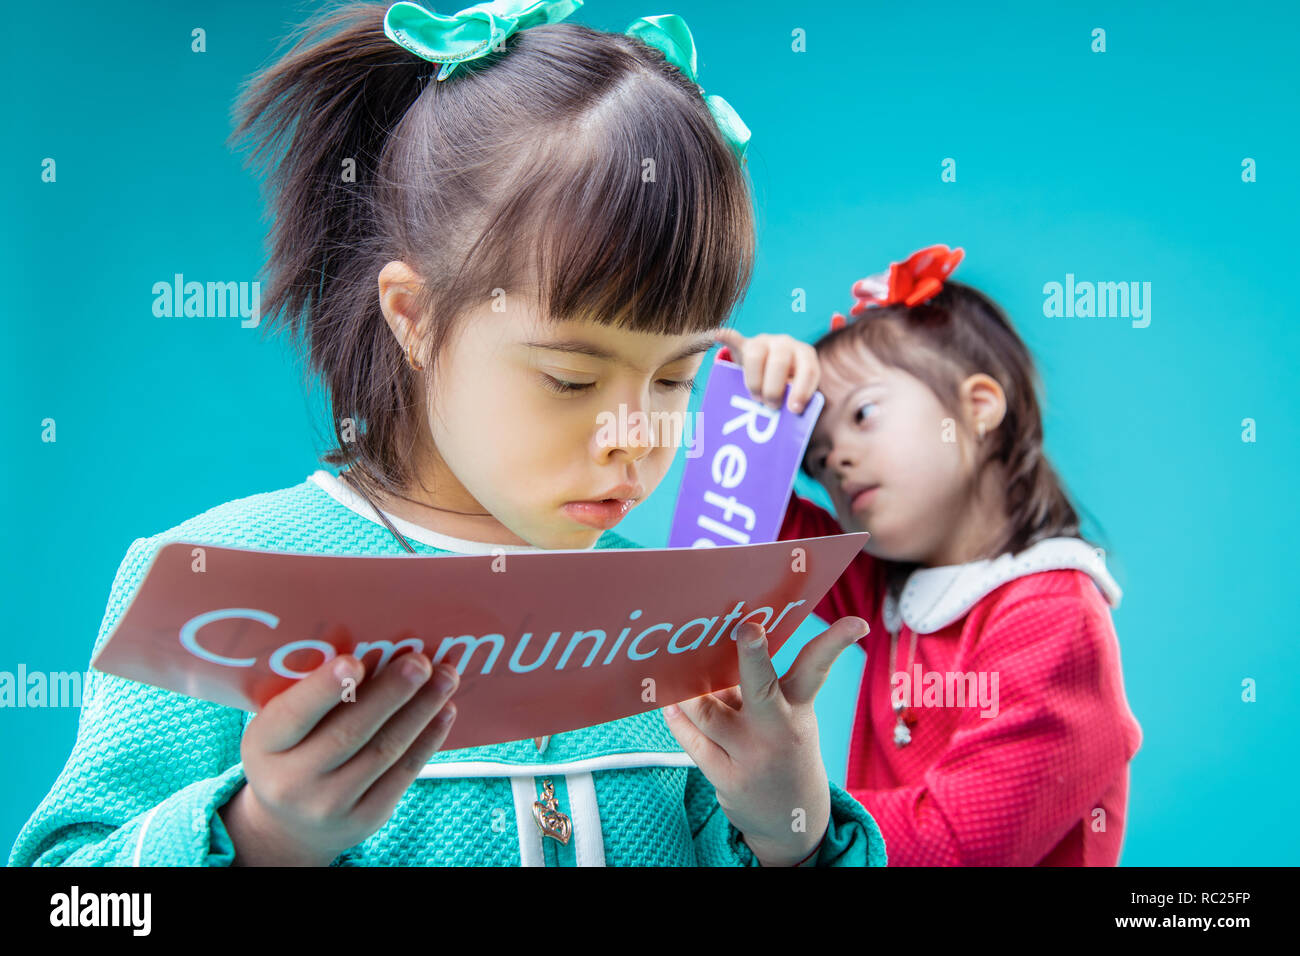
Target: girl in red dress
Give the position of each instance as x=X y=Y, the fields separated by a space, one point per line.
x=991 y=726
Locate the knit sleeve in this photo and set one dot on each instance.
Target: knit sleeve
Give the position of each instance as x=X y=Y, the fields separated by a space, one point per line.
x=852 y=838
x=148 y=771
x=1013 y=782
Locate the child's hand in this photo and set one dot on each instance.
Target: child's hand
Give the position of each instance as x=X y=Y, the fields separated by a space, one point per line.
x=757 y=743
x=325 y=773
x=770 y=361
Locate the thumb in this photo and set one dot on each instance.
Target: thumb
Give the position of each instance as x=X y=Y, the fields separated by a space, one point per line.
x=708 y=756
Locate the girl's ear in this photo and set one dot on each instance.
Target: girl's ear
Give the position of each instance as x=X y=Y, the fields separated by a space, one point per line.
x=398 y=285
x=983 y=402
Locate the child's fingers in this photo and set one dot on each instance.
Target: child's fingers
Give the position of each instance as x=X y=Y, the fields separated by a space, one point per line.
x=729 y=696
x=378 y=802
x=770 y=362
x=735 y=343
x=349 y=727
x=760 y=688
x=708 y=756
x=776 y=373
x=714 y=719
x=810 y=669
x=288 y=717
x=732 y=339
x=751 y=355
x=394 y=739
x=807 y=376
x=753 y=361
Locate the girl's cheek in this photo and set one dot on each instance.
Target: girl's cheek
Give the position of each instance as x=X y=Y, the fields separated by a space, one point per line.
x=661 y=459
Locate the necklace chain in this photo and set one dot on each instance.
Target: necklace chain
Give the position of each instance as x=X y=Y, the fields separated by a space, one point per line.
x=907 y=716
x=394 y=494
x=541 y=742
x=473 y=514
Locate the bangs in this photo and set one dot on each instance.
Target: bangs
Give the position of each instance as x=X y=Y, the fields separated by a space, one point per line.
x=869 y=339
x=900 y=338
x=639 y=218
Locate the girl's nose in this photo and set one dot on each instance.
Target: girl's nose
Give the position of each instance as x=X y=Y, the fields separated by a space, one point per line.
x=638 y=440
x=626 y=432
x=630 y=452
x=636 y=452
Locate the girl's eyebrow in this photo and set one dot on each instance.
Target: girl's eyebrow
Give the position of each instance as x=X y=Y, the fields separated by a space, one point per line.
x=586 y=348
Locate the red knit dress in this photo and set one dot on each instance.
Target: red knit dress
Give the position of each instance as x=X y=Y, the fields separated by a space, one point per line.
x=1042 y=778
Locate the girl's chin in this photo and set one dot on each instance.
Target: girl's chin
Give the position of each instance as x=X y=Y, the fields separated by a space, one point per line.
x=883 y=546
x=569 y=536
x=851 y=523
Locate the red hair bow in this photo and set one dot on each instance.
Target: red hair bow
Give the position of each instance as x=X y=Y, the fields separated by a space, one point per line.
x=916 y=279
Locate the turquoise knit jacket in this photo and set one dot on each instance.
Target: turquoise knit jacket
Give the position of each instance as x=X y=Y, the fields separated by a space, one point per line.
x=151 y=768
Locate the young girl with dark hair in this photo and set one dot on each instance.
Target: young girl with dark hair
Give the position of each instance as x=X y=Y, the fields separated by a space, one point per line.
x=490 y=228
x=991 y=725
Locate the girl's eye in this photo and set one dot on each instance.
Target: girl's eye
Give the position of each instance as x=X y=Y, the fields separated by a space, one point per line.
x=858 y=416
x=687 y=386
x=557 y=385
x=563 y=387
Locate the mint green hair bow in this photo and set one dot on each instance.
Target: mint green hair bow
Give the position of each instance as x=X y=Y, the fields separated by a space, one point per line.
x=482 y=28
x=471 y=33
x=669 y=34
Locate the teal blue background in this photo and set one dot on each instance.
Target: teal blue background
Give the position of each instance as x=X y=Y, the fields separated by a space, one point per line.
x=1123 y=165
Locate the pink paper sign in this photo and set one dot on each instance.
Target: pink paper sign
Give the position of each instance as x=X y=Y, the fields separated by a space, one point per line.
x=545 y=641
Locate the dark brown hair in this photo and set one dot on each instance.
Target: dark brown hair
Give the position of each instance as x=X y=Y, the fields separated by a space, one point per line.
x=577 y=163
x=958 y=333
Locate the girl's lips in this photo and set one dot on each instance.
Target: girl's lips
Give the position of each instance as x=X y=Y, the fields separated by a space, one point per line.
x=599 y=514
x=863 y=498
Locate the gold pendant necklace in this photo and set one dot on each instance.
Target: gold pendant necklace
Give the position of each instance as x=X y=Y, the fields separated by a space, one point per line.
x=550 y=820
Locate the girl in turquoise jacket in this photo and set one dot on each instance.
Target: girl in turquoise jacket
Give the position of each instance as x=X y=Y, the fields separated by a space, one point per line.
x=491 y=231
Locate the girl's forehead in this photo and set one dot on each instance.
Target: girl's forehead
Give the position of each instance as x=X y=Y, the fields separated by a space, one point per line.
x=849 y=369
x=614 y=343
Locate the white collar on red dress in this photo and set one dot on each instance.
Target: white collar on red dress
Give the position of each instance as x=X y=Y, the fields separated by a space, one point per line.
x=933 y=598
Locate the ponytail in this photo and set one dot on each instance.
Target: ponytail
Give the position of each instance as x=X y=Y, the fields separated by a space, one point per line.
x=320 y=118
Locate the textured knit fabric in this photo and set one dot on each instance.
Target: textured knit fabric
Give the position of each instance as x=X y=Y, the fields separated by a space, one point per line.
x=151 y=768
x=1044 y=781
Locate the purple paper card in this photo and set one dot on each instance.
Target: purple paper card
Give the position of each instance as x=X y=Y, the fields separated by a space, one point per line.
x=736 y=487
